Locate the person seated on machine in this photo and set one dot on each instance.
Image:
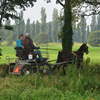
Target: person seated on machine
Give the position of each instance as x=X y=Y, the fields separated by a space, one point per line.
x=19 y=47
x=19 y=41
x=28 y=43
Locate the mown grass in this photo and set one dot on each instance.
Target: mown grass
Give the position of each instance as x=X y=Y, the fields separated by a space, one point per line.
x=56 y=47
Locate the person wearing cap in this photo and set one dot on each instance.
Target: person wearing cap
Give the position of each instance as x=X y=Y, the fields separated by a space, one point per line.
x=19 y=41
x=28 y=43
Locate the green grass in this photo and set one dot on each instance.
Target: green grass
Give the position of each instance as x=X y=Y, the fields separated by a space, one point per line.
x=93 y=52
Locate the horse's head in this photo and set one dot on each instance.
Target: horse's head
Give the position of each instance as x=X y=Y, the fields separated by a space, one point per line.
x=84 y=48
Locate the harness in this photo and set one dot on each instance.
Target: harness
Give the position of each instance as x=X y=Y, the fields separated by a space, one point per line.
x=75 y=54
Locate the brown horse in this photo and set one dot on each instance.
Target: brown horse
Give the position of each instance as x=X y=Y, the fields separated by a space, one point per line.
x=66 y=56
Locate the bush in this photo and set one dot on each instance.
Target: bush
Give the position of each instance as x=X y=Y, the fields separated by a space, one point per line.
x=4 y=43
x=3 y=70
x=14 y=43
x=78 y=84
x=94 y=38
x=41 y=38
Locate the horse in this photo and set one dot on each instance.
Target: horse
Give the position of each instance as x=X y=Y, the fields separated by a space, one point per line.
x=66 y=56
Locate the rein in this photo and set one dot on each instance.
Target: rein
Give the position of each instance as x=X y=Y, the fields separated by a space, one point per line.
x=50 y=49
x=62 y=50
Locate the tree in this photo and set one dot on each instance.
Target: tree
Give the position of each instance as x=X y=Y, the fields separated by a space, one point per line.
x=49 y=31
x=28 y=27
x=94 y=38
x=61 y=23
x=33 y=30
x=8 y=9
x=77 y=10
x=10 y=39
x=0 y=49
x=41 y=38
x=21 y=24
x=37 y=27
x=16 y=27
x=75 y=32
x=88 y=32
x=83 y=29
x=54 y=25
x=98 y=20
x=43 y=20
x=79 y=37
x=6 y=32
x=93 y=24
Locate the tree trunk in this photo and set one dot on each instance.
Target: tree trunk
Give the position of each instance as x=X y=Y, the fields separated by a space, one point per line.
x=67 y=41
x=2 y=12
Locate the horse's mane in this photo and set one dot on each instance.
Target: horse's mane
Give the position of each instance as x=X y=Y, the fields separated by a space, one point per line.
x=81 y=48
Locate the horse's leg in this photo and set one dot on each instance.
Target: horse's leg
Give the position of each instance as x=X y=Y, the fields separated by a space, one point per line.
x=55 y=66
x=64 y=66
x=59 y=67
x=79 y=64
x=59 y=59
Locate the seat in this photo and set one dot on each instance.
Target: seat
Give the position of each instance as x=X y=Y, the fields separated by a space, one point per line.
x=23 y=53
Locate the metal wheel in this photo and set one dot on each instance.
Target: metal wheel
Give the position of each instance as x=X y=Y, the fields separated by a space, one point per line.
x=44 y=69
x=27 y=70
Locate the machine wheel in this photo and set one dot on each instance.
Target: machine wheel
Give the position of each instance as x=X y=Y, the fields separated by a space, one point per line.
x=11 y=68
x=44 y=69
x=27 y=70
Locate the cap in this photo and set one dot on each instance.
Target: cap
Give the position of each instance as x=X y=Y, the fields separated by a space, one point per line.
x=27 y=34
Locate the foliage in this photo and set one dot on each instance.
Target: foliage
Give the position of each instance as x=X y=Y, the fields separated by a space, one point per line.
x=10 y=39
x=41 y=38
x=43 y=20
x=67 y=34
x=93 y=24
x=50 y=31
x=4 y=43
x=33 y=34
x=54 y=25
x=76 y=7
x=28 y=28
x=0 y=49
x=37 y=28
x=0 y=53
x=8 y=9
x=83 y=29
x=98 y=22
x=3 y=70
x=94 y=38
x=77 y=84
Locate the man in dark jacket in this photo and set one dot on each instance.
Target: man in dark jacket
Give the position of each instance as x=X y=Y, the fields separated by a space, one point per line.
x=28 y=43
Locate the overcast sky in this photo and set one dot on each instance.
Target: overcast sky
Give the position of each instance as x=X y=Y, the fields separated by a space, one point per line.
x=34 y=13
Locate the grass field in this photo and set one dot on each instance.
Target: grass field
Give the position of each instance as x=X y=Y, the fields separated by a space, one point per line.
x=93 y=52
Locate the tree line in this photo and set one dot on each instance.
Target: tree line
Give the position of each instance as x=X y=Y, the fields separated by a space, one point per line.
x=81 y=30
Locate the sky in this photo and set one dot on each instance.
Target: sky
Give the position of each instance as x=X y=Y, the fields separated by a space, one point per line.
x=34 y=13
